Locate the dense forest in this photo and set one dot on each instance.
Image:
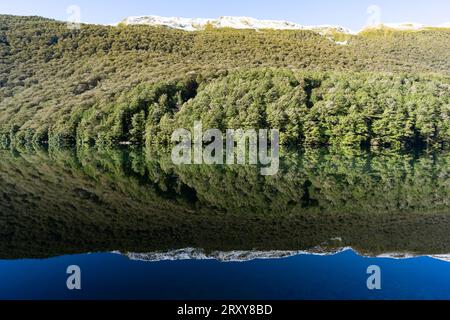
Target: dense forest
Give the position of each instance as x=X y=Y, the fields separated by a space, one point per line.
x=106 y=85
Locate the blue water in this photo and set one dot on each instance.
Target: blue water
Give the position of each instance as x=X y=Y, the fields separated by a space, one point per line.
x=111 y=276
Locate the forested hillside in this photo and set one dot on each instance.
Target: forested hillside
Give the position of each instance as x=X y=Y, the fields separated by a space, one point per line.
x=109 y=84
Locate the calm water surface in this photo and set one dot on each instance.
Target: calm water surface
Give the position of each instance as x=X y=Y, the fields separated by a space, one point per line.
x=141 y=228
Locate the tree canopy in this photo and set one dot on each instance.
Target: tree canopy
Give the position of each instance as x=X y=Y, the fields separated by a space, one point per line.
x=104 y=84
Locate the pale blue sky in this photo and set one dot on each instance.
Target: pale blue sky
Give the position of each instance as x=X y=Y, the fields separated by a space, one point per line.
x=348 y=13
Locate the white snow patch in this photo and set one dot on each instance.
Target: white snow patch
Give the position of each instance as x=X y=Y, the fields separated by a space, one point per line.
x=444 y=25
x=243 y=256
x=195 y=24
x=406 y=26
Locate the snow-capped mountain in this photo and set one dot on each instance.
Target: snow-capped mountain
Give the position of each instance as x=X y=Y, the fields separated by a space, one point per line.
x=199 y=254
x=195 y=24
x=412 y=26
x=445 y=25
x=401 y=26
x=242 y=256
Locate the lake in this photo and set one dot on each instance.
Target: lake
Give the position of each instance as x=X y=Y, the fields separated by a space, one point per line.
x=140 y=227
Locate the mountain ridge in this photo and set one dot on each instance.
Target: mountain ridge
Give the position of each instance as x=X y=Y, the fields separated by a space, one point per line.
x=241 y=22
x=250 y=255
x=234 y=22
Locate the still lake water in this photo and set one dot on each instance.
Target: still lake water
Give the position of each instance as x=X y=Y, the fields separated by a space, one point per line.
x=141 y=228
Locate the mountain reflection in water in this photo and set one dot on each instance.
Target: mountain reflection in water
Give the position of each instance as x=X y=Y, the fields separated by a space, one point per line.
x=61 y=202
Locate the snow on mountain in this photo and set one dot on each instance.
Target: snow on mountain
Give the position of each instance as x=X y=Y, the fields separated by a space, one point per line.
x=407 y=26
x=199 y=254
x=195 y=24
x=242 y=256
x=223 y=256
